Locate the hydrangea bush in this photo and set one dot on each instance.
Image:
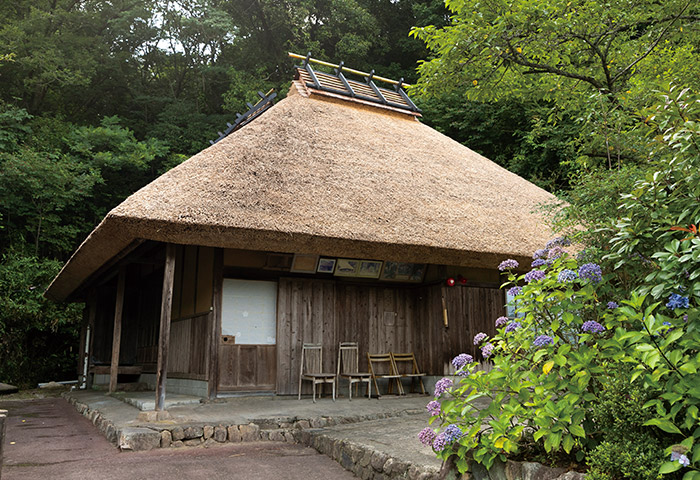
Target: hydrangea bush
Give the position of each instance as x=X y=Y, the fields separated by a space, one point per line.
x=602 y=362
x=551 y=363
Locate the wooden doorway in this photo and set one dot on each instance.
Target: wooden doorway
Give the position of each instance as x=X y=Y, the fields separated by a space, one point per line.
x=247 y=341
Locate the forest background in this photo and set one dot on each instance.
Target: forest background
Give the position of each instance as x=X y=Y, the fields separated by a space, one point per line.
x=97 y=98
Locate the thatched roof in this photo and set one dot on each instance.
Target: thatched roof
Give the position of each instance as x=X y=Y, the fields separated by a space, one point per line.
x=319 y=174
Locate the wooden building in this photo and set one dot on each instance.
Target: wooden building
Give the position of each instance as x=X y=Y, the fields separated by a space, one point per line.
x=334 y=216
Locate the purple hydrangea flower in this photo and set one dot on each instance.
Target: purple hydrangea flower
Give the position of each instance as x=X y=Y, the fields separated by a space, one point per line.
x=487 y=350
x=433 y=407
x=680 y=458
x=461 y=360
x=677 y=301
x=500 y=321
x=426 y=436
x=463 y=373
x=590 y=271
x=440 y=442
x=555 y=253
x=558 y=242
x=566 y=275
x=509 y=264
x=685 y=318
x=442 y=386
x=612 y=305
x=538 y=262
x=541 y=253
x=480 y=337
x=543 y=340
x=514 y=291
x=534 y=275
x=513 y=326
x=452 y=433
x=592 y=326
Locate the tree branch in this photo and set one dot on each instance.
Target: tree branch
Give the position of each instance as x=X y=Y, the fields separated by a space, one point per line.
x=654 y=44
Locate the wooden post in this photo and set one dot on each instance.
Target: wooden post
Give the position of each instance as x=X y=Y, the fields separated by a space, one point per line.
x=3 y=417
x=215 y=318
x=81 y=347
x=91 y=330
x=165 y=314
x=117 y=334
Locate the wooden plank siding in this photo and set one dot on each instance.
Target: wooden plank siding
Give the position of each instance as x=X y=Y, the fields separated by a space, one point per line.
x=189 y=345
x=247 y=367
x=379 y=319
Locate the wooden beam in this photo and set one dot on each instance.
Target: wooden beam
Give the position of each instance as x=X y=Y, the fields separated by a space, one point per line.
x=166 y=307
x=117 y=333
x=215 y=319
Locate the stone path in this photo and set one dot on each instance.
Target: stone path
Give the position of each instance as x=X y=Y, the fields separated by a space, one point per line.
x=49 y=439
x=385 y=448
x=373 y=438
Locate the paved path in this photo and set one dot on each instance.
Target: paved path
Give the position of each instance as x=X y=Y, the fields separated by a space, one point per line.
x=48 y=439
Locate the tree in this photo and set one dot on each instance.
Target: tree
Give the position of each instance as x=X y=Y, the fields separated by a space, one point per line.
x=598 y=71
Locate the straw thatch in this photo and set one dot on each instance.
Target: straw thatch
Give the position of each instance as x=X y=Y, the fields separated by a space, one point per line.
x=317 y=174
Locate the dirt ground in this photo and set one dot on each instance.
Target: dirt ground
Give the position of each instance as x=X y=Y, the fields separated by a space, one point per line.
x=47 y=439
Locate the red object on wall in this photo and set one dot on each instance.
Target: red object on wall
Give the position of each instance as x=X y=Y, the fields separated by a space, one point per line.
x=461 y=280
x=450 y=282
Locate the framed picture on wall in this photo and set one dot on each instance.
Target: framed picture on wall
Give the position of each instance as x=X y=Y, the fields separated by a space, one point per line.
x=304 y=263
x=369 y=269
x=326 y=265
x=347 y=267
x=403 y=272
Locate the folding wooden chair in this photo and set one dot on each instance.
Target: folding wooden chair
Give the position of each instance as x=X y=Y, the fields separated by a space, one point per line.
x=406 y=366
x=382 y=366
x=312 y=368
x=348 y=366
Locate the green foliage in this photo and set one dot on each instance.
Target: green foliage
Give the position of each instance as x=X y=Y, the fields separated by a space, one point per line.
x=598 y=73
x=34 y=332
x=515 y=134
x=630 y=450
x=38 y=193
x=637 y=458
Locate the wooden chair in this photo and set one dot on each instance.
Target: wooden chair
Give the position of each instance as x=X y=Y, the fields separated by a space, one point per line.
x=406 y=366
x=348 y=366
x=312 y=368
x=382 y=366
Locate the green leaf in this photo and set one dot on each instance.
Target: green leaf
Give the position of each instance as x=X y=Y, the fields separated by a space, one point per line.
x=663 y=424
x=669 y=467
x=568 y=443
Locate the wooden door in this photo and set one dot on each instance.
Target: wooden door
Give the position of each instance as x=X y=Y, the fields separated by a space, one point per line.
x=247 y=343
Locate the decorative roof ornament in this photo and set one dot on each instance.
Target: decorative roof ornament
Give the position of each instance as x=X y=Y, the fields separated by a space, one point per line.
x=339 y=84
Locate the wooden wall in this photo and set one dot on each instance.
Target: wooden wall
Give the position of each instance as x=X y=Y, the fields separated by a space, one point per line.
x=189 y=347
x=380 y=319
